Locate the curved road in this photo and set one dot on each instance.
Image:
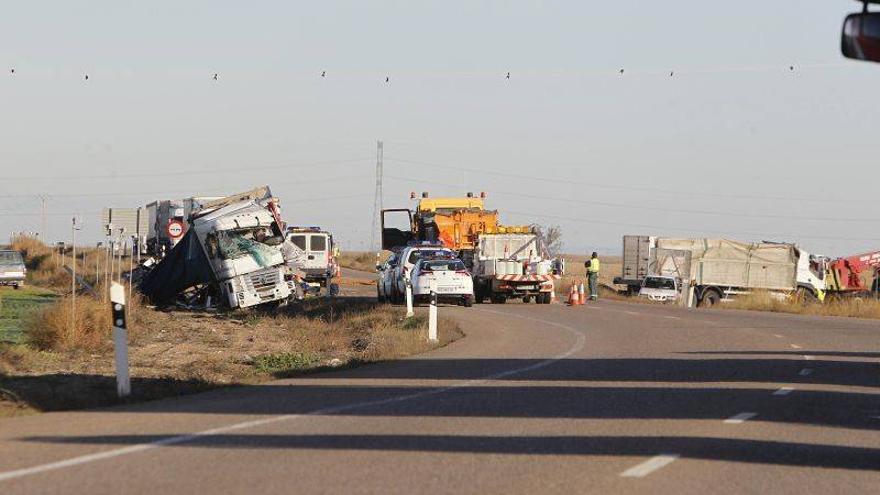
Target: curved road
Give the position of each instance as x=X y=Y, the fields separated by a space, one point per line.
x=604 y=398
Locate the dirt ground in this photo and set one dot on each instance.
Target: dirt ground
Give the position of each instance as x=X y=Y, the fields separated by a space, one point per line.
x=177 y=352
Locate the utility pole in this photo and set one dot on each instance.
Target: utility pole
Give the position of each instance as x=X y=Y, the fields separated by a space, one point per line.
x=43 y=236
x=377 y=201
x=73 y=277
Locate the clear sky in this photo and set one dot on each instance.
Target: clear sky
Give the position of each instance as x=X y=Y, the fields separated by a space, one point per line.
x=734 y=143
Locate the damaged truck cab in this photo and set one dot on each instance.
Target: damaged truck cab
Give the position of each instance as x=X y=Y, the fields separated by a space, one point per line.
x=241 y=243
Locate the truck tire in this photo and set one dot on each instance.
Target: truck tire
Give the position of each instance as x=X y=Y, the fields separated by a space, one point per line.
x=498 y=298
x=527 y=299
x=544 y=298
x=468 y=301
x=379 y=296
x=710 y=298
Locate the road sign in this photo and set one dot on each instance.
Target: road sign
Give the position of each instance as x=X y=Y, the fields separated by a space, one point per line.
x=174 y=229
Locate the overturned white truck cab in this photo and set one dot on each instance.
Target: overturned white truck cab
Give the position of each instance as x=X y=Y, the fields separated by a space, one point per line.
x=241 y=242
x=231 y=250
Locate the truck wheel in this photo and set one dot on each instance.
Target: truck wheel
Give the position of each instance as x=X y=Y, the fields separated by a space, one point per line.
x=710 y=298
x=544 y=298
x=467 y=301
x=526 y=299
x=498 y=299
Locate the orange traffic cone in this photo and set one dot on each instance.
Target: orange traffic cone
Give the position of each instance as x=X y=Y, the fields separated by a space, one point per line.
x=582 y=296
x=573 y=296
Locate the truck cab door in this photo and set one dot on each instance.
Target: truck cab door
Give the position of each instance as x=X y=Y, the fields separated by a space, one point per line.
x=399 y=235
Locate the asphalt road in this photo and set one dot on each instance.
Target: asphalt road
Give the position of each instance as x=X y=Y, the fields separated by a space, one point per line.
x=604 y=398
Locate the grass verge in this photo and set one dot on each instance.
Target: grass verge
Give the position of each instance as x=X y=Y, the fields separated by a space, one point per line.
x=846 y=307
x=180 y=352
x=16 y=306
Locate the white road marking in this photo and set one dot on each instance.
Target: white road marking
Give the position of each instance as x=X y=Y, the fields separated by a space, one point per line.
x=805 y=372
x=808 y=357
x=649 y=466
x=795 y=346
x=673 y=317
x=632 y=313
x=777 y=335
x=784 y=391
x=740 y=418
x=109 y=454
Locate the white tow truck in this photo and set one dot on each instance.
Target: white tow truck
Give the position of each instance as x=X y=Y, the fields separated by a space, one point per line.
x=514 y=264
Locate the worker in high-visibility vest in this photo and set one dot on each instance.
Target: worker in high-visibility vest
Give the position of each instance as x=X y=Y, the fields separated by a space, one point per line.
x=592 y=266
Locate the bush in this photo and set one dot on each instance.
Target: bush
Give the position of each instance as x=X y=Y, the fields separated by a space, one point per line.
x=842 y=306
x=55 y=328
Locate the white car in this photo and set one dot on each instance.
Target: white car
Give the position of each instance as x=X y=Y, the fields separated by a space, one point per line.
x=659 y=288
x=406 y=260
x=448 y=276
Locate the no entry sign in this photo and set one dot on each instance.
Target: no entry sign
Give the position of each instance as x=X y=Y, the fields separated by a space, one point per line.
x=174 y=229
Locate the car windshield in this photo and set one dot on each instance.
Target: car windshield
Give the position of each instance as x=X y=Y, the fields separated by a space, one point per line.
x=659 y=283
x=442 y=266
x=10 y=258
x=418 y=254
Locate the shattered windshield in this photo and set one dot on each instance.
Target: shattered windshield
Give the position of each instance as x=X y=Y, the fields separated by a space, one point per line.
x=236 y=244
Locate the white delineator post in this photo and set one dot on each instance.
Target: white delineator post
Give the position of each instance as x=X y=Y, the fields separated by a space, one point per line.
x=409 y=298
x=120 y=339
x=432 y=314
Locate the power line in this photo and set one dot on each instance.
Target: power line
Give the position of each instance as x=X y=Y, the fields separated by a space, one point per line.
x=208 y=171
x=652 y=208
x=595 y=185
x=761 y=235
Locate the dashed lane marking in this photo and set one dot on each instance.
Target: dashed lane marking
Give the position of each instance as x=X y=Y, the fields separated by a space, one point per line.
x=795 y=346
x=649 y=466
x=740 y=418
x=673 y=317
x=580 y=339
x=777 y=335
x=784 y=391
x=805 y=372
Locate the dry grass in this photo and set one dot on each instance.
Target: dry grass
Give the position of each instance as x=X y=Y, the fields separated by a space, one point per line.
x=361 y=260
x=176 y=352
x=46 y=266
x=847 y=307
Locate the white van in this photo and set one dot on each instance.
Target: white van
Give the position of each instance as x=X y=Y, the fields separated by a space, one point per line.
x=316 y=255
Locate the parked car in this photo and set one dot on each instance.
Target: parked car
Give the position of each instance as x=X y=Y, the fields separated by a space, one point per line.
x=660 y=288
x=408 y=258
x=12 y=269
x=449 y=277
x=384 y=279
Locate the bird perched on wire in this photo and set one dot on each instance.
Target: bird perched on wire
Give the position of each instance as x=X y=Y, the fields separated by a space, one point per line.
x=323 y=73
x=508 y=75
x=387 y=79
x=671 y=73
x=621 y=71
x=87 y=77
x=12 y=70
x=216 y=77
x=791 y=67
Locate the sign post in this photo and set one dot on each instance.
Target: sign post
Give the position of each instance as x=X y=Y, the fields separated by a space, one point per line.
x=432 y=314
x=409 y=298
x=120 y=339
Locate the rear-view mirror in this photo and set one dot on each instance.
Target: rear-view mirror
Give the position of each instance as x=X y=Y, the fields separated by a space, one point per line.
x=860 y=39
